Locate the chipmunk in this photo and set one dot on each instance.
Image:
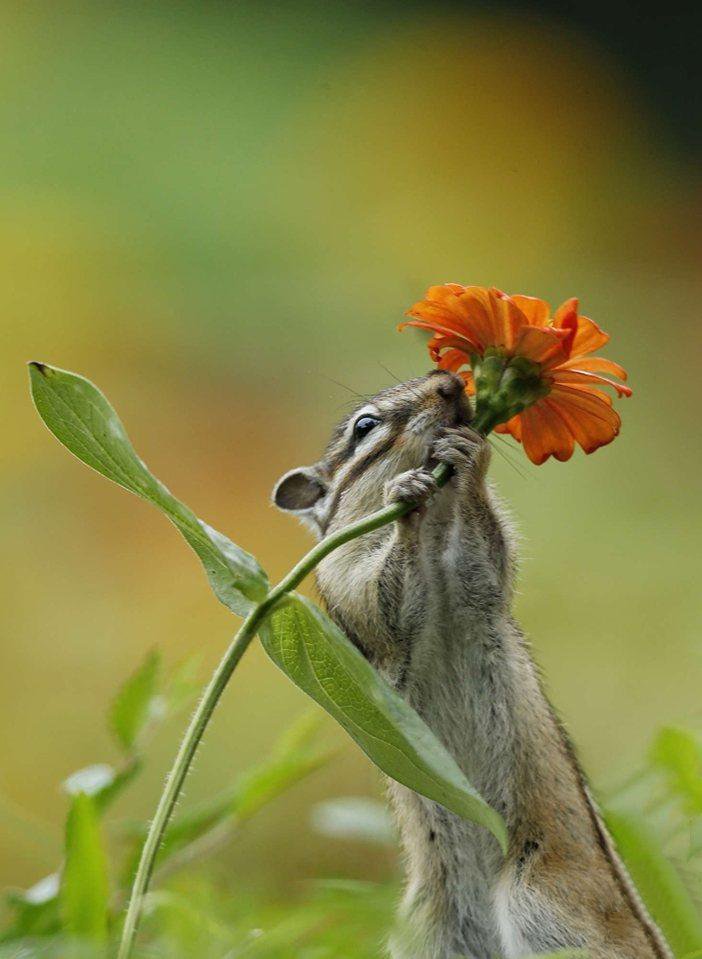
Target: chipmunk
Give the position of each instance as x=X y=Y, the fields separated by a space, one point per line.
x=427 y=600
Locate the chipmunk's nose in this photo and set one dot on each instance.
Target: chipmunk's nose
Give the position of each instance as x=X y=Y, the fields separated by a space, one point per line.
x=451 y=392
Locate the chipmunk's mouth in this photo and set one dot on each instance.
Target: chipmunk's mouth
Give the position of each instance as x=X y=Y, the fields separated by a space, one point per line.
x=463 y=414
x=455 y=411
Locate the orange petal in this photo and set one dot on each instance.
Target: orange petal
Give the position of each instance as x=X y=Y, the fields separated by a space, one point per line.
x=536 y=311
x=588 y=337
x=478 y=312
x=560 y=438
x=541 y=345
x=532 y=435
x=589 y=418
x=583 y=378
x=510 y=319
x=444 y=293
x=545 y=434
x=466 y=311
x=445 y=341
x=566 y=313
x=595 y=390
x=430 y=312
x=449 y=359
x=454 y=336
x=595 y=364
x=467 y=377
x=513 y=427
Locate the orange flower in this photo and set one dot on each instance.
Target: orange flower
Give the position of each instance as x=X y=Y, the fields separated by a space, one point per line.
x=532 y=373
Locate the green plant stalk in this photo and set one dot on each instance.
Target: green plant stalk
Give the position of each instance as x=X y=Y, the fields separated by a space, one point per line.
x=203 y=712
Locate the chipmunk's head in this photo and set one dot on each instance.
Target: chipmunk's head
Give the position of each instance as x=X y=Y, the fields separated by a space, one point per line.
x=390 y=433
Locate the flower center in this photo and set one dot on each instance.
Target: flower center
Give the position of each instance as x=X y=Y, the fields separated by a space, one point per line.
x=504 y=386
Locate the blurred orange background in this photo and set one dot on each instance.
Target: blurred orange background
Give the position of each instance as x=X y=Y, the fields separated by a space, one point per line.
x=219 y=212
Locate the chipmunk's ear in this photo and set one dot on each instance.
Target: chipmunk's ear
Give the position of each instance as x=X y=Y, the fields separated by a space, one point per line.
x=300 y=489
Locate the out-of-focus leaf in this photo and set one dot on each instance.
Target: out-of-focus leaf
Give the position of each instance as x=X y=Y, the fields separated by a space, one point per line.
x=35 y=910
x=81 y=418
x=84 y=885
x=356 y=818
x=183 y=685
x=90 y=780
x=657 y=881
x=678 y=753
x=56 y=947
x=293 y=758
x=104 y=783
x=319 y=659
x=133 y=705
x=193 y=925
x=43 y=891
x=122 y=779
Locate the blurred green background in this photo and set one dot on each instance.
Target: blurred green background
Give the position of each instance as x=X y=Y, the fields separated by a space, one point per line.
x=218 y=212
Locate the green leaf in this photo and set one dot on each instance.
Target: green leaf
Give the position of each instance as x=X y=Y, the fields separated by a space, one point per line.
x=91 y=780
x=657 y=881
x=183 y=685
x=35 y=910
x=678 y=753
x=134 y=704
x=84 y=887
x=80 y=417
x=319 y=659
x=104 y=783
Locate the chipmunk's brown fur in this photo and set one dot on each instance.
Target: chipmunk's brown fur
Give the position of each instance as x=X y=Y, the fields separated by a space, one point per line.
x=428 y=600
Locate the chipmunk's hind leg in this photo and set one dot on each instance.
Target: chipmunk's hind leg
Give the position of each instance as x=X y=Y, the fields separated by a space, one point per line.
x=577 y=906
x=530 y=925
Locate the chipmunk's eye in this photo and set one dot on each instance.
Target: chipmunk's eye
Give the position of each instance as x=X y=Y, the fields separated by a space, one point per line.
x=363 y=426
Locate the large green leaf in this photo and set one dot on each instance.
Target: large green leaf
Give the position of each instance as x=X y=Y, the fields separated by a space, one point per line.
x=84 y=892
x=319 y=659
x=80 y=417
x=657 y=880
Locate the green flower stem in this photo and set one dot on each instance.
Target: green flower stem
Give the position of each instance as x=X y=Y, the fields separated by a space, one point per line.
x=220 y=678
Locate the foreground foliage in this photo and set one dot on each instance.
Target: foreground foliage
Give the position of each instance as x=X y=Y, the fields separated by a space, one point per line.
x=78 y=910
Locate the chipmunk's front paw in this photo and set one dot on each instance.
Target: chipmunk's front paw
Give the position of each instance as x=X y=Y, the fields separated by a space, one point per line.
x=462 y=448
x=414 y=486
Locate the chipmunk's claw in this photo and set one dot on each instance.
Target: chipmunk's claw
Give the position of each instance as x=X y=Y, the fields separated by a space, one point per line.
x=415 y=486
x=460 y=447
